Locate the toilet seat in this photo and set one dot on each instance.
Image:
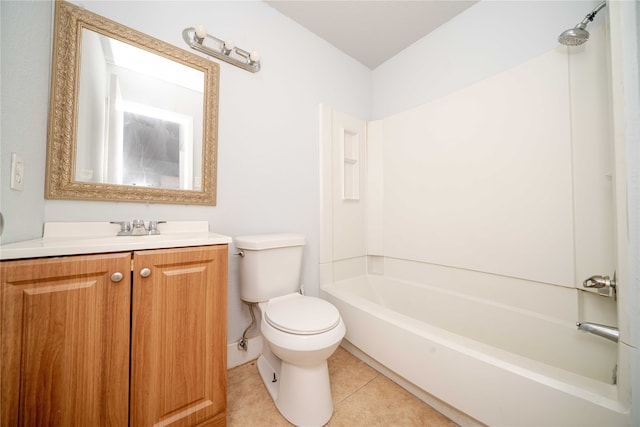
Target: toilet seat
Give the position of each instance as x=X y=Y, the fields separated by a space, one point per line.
x=301 y=315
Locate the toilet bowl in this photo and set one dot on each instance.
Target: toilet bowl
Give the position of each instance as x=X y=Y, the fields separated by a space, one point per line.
x=298 y=377
x=300 y=332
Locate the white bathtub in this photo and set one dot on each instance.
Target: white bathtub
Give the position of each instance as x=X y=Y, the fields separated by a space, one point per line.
x=477 y=356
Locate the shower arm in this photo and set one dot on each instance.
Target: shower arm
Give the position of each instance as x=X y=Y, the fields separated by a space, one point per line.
x=592 y=15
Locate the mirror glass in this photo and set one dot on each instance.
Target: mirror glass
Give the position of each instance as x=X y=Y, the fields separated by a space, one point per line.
x=139 y=117
x=132 y=118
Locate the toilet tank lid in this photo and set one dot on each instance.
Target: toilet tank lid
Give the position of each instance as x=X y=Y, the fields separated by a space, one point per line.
x=269 y=241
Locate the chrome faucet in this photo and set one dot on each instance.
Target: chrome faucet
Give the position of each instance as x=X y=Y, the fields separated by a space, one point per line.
x=599 y=282
x=153 y=227
x=125 y=227
x=609 y=332
x=138 y=228
x=603 y=284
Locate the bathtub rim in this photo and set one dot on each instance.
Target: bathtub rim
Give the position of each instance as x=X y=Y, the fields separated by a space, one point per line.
x=582 y=387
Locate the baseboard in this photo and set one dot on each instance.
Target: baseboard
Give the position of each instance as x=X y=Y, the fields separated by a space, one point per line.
x=237 y=357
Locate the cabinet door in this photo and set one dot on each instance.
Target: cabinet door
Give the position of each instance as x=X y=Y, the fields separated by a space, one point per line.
x=65 y=341
x=179 y=337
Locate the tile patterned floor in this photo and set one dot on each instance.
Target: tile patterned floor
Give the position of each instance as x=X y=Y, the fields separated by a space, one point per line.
x=361 y=397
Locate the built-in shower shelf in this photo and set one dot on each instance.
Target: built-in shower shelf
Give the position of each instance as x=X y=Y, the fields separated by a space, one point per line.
x=351 y=165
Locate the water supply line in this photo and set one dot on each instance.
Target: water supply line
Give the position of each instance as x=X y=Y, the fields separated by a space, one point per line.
x=243 y=344
x=608 y=332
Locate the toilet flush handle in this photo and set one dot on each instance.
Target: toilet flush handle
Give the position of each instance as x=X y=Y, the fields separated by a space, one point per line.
x=241 y=253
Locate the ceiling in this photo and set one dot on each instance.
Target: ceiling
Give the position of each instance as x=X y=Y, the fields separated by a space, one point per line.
x=371 y=31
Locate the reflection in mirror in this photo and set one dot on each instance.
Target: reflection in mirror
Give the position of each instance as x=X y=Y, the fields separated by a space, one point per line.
x=132 y=118
x=139 y=117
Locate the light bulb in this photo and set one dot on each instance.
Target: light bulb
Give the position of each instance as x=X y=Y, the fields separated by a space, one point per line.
x=254 y=56
x=229 y=45
x=201 y=31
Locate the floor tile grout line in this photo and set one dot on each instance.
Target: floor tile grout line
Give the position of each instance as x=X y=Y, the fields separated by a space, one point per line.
x=358 y=389
x=342 y=407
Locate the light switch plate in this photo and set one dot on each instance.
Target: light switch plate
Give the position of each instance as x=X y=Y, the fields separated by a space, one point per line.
x=17 y=172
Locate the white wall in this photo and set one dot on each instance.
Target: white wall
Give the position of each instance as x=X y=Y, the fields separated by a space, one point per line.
x=487 y=38
x=24 y=108
x=267 y=138
x=511 y=175
x=481 y=179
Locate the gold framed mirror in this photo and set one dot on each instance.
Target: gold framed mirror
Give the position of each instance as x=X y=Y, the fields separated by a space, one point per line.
x=131 y=118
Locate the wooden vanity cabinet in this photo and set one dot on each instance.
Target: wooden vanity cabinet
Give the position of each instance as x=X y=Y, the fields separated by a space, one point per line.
x=80 y=346
x=65 y=341
x=179 y=337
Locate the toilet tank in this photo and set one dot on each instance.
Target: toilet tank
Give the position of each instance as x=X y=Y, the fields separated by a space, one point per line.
x=271 y=265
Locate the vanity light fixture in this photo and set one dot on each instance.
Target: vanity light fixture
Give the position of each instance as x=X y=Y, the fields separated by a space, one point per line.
x=198 y=39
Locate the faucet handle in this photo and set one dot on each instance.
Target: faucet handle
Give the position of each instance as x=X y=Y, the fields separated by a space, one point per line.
x=153 y=226
x=596 y=282
x=138 y=223
x=139 y=229
x=125 y=227
x=599 y=282
x=603 y=284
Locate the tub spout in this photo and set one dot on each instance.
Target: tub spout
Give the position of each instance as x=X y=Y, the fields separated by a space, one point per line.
x=608 y=332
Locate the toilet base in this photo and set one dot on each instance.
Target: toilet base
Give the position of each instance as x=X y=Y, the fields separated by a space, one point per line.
x=301 y=394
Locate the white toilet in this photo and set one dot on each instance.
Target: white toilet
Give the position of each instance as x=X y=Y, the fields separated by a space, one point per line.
x=300 y=332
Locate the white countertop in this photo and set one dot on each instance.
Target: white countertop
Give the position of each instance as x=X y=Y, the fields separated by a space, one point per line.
x=74 y=238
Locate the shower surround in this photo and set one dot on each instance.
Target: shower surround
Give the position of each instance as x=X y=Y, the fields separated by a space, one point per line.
x=498 y=200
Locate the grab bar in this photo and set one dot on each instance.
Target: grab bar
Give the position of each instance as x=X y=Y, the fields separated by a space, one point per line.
x=608 y=332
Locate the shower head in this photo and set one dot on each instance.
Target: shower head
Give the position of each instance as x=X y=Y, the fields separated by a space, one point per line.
x=579 y=34
x=574 y=36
